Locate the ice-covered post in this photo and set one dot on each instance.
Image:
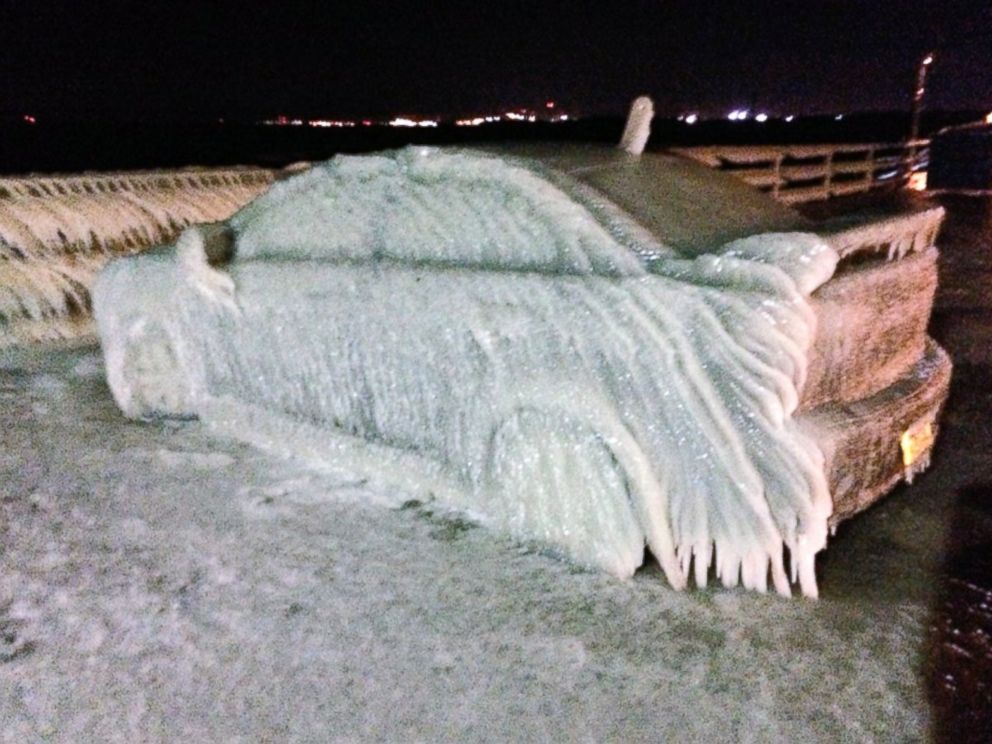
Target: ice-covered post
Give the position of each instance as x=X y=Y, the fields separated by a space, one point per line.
x=638 y=128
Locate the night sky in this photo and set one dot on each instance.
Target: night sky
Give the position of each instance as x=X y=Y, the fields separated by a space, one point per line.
x=205 y=60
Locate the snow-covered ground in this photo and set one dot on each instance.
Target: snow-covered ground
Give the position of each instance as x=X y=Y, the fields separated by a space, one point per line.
x=160 y=584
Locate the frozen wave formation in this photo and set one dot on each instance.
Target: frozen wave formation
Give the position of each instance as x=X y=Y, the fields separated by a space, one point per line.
x=496 y=332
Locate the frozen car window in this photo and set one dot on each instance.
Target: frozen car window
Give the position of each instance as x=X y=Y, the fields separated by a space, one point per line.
x=426 y=206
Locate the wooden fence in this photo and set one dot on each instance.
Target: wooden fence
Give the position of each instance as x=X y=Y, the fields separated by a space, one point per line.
x=798 y=173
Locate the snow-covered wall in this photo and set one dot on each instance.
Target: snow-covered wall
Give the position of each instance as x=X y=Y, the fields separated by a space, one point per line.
x=56 y=232
x=502 y=339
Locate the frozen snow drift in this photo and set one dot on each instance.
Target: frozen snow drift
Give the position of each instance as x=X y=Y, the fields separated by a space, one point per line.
x=509 y=341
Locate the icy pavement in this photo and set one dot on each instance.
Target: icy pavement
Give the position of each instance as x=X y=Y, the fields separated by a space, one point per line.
x=160 y=584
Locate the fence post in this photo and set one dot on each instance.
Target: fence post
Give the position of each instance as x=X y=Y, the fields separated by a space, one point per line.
x=910 y=158
x=778 y=174
x=830 y=172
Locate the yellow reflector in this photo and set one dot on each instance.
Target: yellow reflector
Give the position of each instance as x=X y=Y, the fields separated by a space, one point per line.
x=916 y=441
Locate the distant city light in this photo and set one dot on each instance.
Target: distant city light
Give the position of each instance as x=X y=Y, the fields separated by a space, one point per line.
x=928 y=59
x=839 y=117
x=691 y=118
x=988 y=118
x=330 y=123
x=739 y=114
x=790 y=117
x=762 y=118
x=734 y=115
x=402 y=121
x=28 y=119
x=516 y=115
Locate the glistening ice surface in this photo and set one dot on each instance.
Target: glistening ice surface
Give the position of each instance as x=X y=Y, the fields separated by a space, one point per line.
x=502 y=340
x=159 y=583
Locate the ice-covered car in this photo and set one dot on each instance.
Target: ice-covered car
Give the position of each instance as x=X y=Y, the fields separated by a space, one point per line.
x=572 y=344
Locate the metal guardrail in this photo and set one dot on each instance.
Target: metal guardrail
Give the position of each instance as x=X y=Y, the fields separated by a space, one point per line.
x=56 y=233
x=92 y=212
x=799 y=173
x=81 y=184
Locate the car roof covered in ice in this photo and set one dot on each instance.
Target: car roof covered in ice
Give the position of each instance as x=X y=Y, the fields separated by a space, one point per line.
x=687 y=206
x=573 y=209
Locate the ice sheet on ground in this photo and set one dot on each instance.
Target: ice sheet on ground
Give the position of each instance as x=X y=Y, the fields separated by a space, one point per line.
x=140 y=601
x=511 y=341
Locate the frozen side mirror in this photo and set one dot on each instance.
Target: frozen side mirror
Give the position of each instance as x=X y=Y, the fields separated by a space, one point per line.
x=202 y=251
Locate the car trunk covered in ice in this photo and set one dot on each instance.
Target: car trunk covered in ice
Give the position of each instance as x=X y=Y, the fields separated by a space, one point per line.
x=568 y=344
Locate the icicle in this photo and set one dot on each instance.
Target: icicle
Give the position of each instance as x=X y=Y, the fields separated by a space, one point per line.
x=805 y=561
x=703 y=558
x=921 y=465
x=779 y=579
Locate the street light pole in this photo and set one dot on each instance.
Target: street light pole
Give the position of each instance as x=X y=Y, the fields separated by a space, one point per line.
x=921 y=87
x=918 y=93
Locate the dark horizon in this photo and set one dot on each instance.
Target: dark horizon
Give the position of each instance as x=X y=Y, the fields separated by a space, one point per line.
x=261 y=119
x=55 y=147
x=190 y=61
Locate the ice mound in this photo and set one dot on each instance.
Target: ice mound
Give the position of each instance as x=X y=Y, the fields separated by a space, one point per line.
x=501 y=337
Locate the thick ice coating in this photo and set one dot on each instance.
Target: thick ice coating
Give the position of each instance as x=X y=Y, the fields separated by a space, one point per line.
x=504 y=339
x=57 y=232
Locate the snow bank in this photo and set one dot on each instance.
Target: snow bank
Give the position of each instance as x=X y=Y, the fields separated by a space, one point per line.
x=510 y=343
